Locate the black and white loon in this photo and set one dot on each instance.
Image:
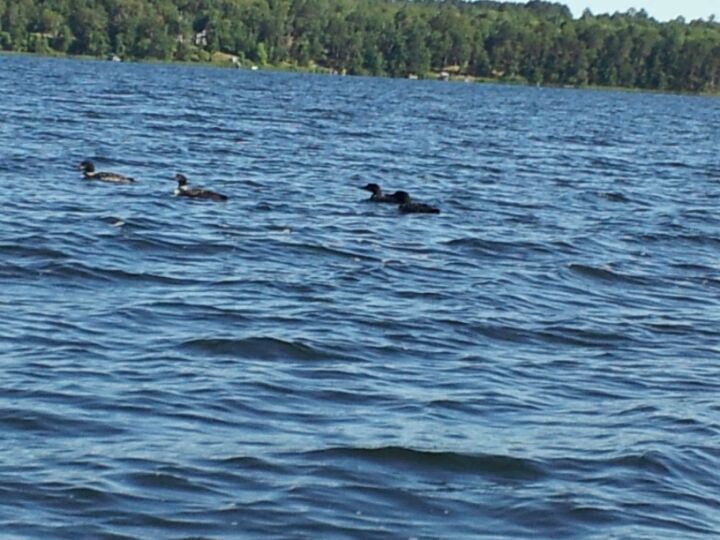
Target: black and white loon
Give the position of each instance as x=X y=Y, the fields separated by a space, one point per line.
x=183 y=190
x=89 y=173
x=378 y=195
x=407 y=206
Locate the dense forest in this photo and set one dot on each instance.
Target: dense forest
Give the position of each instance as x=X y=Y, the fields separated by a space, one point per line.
x=536 y=42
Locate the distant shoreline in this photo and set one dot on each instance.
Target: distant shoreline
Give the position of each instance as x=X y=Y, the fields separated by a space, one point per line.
x=319 y=70
x=535 y=43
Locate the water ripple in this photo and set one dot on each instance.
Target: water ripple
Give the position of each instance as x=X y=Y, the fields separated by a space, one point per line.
x=540 y=359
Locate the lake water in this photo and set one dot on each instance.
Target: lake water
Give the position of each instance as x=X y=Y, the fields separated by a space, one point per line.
x=542 y=359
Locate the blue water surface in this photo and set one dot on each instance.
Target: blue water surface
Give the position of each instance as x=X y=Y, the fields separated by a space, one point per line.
x=542 y=359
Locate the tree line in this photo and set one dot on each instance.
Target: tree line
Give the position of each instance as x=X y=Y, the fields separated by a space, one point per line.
x=536 y=42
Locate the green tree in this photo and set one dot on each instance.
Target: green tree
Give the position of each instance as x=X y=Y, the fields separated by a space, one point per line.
x=537 y=41
x=261 y=55
x=16 y=21
x=90 y=29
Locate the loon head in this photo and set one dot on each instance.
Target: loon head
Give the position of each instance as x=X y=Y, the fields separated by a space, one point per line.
x=374 y=188
x=401 y=197
x=87 y=166
x=181 y=179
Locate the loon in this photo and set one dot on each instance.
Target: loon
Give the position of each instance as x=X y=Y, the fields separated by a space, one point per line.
x=379 y=196
x=407 y=206
x=88 y=169
x=195 y=192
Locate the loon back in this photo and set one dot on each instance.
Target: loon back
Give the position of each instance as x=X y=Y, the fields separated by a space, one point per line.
x=112 y=177
x=407 y=206
x=199 y=193
x=418 y=208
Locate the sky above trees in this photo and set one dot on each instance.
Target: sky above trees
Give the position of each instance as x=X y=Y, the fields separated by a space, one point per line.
x=662 y=10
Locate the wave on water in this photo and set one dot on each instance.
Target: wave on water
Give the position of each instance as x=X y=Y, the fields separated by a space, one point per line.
x=55 y=424
x=614 y=196
x=430 y=462
x=262 y=348
x=539 y=360
x=607 y=274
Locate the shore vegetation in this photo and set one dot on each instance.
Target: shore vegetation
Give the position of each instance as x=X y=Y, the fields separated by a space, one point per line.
x=535 y=42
